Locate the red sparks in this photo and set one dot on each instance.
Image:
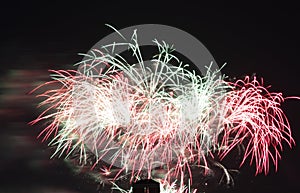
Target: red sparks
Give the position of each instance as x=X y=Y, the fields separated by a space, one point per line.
x=254 y=118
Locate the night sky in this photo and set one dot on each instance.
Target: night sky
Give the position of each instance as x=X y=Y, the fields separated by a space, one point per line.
x=261 y=39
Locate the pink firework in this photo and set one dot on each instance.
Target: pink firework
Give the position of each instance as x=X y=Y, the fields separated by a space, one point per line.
x=254 y=118
x=159 y=121
x=134 y=117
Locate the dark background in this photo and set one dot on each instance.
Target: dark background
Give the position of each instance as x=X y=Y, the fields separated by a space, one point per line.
x=261 y=38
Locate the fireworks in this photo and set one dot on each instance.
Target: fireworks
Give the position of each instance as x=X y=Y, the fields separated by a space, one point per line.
x=254 y=115
x=140 y=117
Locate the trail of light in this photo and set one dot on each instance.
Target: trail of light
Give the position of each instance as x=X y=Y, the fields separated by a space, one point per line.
x=254 y=118
x=144 y=116
x=137 y=114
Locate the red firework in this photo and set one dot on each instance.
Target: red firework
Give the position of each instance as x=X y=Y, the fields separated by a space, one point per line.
x=254 y=118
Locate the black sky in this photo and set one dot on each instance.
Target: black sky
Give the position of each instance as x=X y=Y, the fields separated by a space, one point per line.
x=260 y=38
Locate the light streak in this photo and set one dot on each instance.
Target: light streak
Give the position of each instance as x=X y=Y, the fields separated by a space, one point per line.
x=150 y=115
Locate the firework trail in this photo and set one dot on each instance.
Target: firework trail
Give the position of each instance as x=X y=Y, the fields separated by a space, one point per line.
x=254 y=118
x=147 y=115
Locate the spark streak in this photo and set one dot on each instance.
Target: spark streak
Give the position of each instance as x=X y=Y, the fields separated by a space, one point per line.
x=148 y=115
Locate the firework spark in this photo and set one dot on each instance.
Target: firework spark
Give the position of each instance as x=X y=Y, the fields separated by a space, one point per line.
x=147 y=115
x=254 y=118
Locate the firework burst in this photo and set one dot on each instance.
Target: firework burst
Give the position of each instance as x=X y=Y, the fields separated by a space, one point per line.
x=137 y=117
x=254 y=118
